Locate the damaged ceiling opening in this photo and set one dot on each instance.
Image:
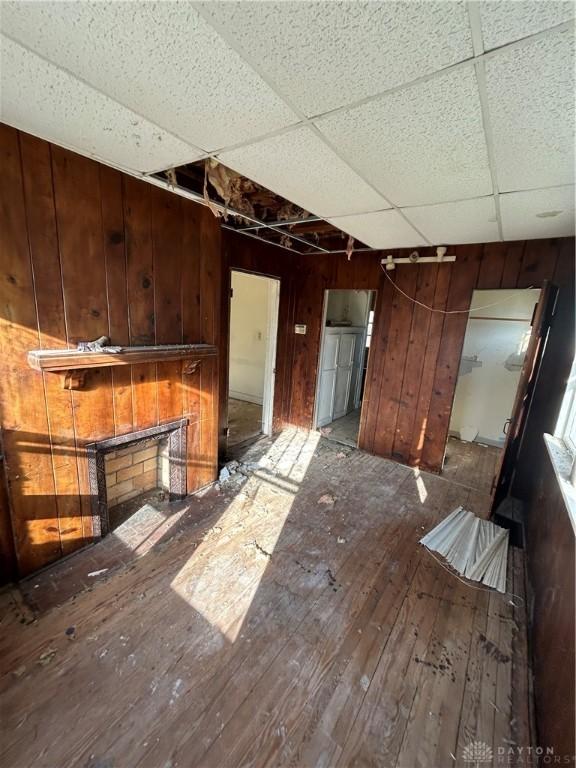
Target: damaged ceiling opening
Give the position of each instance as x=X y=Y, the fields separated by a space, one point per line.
x=247 y=207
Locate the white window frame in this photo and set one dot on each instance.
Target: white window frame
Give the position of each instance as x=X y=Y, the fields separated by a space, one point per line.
x=566 y=425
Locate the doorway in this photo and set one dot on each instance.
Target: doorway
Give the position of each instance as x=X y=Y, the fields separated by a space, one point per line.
x=254 y=301
x=346 y=333
x=498 y=334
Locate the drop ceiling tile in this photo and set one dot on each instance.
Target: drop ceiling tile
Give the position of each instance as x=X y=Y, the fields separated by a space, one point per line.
x=538 y=213
x=504 y=21
x=324 y=55
x=423 y=144
x=160 y=59
x=531 y=103
x=382 y=229
x=465 y=221
x=301 y=168
x=41 y=99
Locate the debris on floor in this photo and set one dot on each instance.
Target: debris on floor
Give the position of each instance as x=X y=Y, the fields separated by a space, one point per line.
x=326 y=498
x=236 y=472
x=477 y=549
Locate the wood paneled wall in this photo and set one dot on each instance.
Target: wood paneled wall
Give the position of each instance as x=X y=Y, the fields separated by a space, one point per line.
x=415 y=354
x=550 y=538
x=551 y=545
x=86 y=251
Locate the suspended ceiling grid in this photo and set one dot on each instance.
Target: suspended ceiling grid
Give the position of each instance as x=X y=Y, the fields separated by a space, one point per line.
x=402 y=124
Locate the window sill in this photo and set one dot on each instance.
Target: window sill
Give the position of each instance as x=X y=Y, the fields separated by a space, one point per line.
x=562 y=463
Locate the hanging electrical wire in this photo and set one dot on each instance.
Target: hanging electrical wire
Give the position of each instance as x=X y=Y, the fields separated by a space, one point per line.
x=450 y=311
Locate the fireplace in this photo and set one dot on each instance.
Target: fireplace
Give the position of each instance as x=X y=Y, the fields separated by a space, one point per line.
x=125 y=467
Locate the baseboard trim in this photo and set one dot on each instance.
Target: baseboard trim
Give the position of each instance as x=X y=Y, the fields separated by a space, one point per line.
x=247 y=398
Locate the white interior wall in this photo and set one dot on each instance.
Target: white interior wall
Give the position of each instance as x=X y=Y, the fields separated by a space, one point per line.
x=492 y=356
x=347 y=305
x=248 y=329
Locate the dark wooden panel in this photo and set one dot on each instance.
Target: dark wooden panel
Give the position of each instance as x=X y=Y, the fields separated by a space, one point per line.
x=462 y=286
x=492 y=266
x=551 y=568
x=396 y=352
x=376 y=360
x=512 y=265
x=82 y=261
x=43 y=241
x=115 y=256
x=25 y=435
x=87 y=252
x=538 y=263
x=432 y=348
x=426 y=286
x=436 y=353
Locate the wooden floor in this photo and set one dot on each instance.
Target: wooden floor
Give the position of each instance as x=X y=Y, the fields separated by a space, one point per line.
x=471 y=464
x=289 y=619
x=344 y=430
x=244 y=421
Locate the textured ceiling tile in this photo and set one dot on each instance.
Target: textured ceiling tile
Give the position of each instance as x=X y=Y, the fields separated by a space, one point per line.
x=301 y=168
x=41 y=99
x=504 y=21
x=383 y=229
x=423 y=144
x=161 y=59
x=538 y=213
x=531 y=103
x=467 y=221
x=326 y=54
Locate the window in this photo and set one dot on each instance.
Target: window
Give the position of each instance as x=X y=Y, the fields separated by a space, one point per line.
x=566 y=426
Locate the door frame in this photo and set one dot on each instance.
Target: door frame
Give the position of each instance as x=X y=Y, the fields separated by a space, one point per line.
x=270 y=364
x=271 y=345
x=371 y=305
x=320 y=354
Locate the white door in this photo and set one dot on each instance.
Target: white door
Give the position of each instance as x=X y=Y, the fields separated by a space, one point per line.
x=345 y=363
x=327 y=378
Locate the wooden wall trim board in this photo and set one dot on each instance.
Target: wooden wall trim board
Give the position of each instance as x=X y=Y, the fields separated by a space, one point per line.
x=86 y=251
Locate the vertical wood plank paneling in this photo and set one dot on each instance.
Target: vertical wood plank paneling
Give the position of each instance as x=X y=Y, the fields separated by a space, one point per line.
x=43 y=241
x=492 y=266
x=78 y=245
x=115 y=257
x=167 y=246
x=512 y=264
x=376 y=360
x=25 y=435
x=79 y=220
x=210 y=298
x=432 y=348
x=396 y=352
x=461 y=287
x=140 y=288
x=425 y=289
x=436 y=353
x=538 y=263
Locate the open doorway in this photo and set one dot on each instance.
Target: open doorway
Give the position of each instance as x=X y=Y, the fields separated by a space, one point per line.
x=252 y=359
x=497 y=338
x=346 y=334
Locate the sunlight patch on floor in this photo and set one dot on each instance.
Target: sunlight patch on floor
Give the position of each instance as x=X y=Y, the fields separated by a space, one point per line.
x=223 y=587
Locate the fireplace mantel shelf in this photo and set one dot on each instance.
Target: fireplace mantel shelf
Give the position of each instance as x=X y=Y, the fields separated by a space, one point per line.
x=72 y=364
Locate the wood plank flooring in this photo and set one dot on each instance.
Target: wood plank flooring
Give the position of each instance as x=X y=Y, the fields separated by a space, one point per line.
x=289 y=618
x=344 y=430
x=244 y=421
x=470 y=464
